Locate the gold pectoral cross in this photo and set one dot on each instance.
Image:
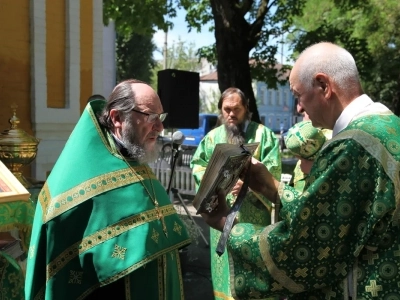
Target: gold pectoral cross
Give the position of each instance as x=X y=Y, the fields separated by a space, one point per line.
x=161 y=218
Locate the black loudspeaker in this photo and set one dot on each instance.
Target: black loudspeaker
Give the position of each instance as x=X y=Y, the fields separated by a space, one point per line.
x=179 y=94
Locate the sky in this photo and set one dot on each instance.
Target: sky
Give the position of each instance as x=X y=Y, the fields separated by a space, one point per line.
x=180 y=30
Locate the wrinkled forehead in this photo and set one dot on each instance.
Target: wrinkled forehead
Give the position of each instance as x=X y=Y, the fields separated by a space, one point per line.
x=146 y=97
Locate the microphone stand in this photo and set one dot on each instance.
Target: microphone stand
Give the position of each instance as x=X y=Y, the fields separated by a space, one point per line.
x=174 y=158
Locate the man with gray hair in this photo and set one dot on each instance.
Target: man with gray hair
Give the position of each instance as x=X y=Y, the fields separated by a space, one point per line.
x=104 y=226
x=340 y=238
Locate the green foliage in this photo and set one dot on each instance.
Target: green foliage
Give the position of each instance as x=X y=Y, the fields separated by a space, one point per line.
x=181 y=55
x=135 y=57
x=240 y=26
x=139 y=16
x=209 y=104
x=369 y=30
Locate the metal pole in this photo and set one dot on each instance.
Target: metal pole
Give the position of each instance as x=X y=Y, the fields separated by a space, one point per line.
x=165 y=50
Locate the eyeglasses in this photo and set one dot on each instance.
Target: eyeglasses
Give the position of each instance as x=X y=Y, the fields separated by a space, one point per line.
x=151 y=118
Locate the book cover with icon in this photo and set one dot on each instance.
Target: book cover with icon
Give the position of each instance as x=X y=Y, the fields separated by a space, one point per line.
x=222 y=172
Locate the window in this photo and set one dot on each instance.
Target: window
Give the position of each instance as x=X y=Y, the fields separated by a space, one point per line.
x=278 y=98
x=285 y=98
x=261 y=96
x=270 y=97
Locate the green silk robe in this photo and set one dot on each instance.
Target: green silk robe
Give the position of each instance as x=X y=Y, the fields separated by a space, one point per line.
x=255 y=209
x=95 y=223
x=341 y=235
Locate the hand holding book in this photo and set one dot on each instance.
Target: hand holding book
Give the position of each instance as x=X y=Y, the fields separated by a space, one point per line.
x=222 y=173
x=260 y=181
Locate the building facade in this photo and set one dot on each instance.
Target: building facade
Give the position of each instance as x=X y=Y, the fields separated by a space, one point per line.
x=276 y=107
x=54 y=56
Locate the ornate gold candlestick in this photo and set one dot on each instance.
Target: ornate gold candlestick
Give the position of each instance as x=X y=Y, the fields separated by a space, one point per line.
x=17 y=148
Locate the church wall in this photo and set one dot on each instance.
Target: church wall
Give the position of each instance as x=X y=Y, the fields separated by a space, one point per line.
x=51 y=60
x=15 y=77
x=15 y=63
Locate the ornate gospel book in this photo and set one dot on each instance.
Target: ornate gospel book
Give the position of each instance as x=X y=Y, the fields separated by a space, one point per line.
x=222 y=172
x=10 y=188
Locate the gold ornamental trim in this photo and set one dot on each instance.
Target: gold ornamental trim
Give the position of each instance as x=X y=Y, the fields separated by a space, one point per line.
x=102 y=236
x=53 y=207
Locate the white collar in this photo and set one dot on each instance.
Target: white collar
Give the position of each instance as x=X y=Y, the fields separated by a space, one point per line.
x=350 y=111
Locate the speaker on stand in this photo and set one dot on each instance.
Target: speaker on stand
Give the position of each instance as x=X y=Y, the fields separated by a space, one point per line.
x=179 y=94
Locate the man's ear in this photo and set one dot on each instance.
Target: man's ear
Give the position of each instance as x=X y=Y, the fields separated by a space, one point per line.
x=323 y=82
x=115 y=117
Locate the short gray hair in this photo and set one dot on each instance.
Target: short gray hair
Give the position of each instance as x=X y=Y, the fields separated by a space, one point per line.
x=334 y=61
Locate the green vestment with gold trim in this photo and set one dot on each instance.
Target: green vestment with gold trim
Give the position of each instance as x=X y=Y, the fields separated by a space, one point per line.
x=341 y=236
x=255 y=209
x=95 y=223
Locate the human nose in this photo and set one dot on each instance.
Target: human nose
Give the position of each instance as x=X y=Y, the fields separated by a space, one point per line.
x=158 y=125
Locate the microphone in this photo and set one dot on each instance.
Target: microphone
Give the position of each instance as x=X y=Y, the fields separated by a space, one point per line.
x=177 y=139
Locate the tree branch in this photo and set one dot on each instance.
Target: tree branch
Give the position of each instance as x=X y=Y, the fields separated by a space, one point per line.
x=245 y=7
x=256 y=26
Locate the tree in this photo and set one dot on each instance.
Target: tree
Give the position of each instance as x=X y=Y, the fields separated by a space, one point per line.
x=241 y=26
x=139 y=16
x=181 y=56
x=135 y=57
x=369 y=30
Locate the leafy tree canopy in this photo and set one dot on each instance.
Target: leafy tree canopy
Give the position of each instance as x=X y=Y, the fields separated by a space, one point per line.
x=241 y=27
x=134 y=54
x=139 y=16
x=181 y=55
x=369 y=30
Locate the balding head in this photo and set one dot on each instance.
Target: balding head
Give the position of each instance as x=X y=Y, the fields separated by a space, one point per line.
x=325 y=80
x=332 y=60
x=126 y=96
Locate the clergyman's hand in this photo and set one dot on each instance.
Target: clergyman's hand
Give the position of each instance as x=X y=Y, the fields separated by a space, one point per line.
x=261 y=180
x=236 y=189
x=216 y=219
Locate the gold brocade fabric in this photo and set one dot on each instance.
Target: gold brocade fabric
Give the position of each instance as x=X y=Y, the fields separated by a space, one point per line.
x=19 y=215
x=345 y=225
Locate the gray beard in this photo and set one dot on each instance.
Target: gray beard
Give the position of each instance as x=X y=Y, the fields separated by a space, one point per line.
x=235 y=133
x=136 y=150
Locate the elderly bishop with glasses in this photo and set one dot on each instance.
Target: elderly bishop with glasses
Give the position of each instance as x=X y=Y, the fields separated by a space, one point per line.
x=104 y=226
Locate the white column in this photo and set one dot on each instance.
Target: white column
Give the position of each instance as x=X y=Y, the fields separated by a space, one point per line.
x=72 y=53
x=97 y=75
x=52 y=126
x=109 y=59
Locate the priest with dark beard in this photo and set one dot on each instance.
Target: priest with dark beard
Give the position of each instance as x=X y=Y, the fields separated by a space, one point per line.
x=237 y=128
